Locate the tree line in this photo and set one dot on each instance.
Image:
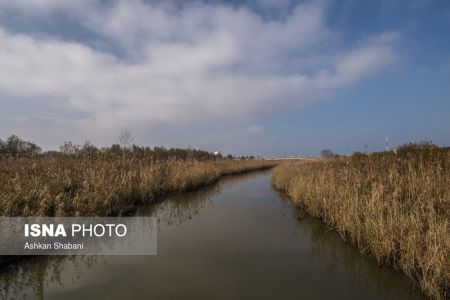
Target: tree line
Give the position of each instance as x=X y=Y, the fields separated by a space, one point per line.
x=14 y=146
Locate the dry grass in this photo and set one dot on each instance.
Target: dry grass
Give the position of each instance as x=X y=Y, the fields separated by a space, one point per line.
x=83 y=186
x=395 y=207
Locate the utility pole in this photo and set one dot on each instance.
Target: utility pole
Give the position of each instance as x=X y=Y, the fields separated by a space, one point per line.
x=387 y=144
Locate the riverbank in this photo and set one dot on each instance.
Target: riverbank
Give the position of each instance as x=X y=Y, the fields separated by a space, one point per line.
x=393 y=206
x=85 y=186
x=234 y=239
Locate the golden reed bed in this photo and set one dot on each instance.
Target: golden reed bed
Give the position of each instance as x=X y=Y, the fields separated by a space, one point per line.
x=84 y=186
x=394 y=206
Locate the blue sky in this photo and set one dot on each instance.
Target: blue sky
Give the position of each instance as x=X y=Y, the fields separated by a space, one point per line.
x=244 y=77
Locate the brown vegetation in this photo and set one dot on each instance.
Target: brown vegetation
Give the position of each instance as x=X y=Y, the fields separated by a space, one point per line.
x=102 y=185
x=394 y=206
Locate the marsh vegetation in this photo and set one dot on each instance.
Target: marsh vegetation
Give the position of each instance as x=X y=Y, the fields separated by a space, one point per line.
x=86 y=181
x=394 y=206
x=235 y=239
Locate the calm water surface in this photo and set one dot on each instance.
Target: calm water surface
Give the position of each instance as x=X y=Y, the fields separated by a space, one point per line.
x=238 y=239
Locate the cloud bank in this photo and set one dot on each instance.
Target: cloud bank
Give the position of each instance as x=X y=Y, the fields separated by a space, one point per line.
x=177 y=64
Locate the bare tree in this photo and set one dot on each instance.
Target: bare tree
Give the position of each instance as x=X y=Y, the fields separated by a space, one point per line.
x=69 y=148
x=125 y=138
x=326 y=153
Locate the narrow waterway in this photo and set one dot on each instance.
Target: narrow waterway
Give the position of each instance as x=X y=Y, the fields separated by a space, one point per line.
x=238 y=239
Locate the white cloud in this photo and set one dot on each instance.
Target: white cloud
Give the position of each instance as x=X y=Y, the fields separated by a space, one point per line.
x=35 y=7
x=182 y=65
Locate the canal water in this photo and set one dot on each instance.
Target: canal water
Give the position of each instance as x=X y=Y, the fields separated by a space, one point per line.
x=238 y=239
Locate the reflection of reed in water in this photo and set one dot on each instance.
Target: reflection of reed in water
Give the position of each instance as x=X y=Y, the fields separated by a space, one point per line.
x=29 y=278
x=234 y=179
x=341 y=259
x=179 y=208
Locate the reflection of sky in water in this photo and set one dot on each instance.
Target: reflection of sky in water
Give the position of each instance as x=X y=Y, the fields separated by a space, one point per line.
x=238 y=239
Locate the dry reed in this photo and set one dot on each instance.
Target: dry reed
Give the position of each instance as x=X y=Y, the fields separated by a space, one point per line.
x=82 y=186
x=394 y=206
